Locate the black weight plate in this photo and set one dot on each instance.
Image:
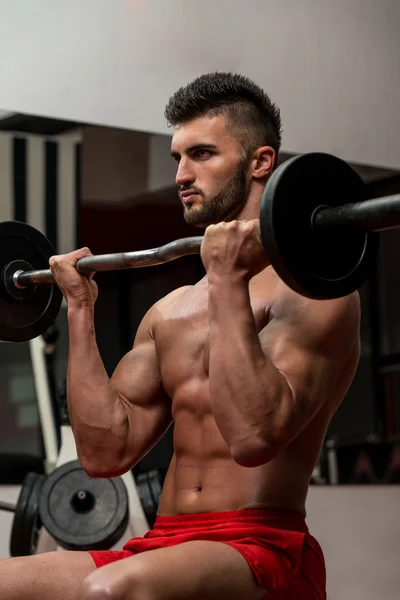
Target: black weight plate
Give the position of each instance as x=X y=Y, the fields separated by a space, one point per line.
x=96 y=525
x=146 y=498
x=23 y=320
x=26 y=524
x=326 y=264
x=149 y=485
x=155 y=485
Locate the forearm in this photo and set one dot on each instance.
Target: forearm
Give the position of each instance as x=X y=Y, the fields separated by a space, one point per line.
x=97 y=414
x=248 y=393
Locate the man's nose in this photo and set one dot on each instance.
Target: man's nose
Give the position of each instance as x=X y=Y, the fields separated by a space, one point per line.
x=185 y=175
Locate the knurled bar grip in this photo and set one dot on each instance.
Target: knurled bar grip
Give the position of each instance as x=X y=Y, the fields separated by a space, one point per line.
x=113 y=262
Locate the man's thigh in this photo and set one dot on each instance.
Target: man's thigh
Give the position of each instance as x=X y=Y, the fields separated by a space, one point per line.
x=45 y=576
x=192 y=571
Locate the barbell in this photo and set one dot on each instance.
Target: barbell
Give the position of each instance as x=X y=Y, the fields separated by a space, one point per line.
x=318 y=231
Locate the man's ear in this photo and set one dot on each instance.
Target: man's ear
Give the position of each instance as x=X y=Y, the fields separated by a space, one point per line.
x=263 y=162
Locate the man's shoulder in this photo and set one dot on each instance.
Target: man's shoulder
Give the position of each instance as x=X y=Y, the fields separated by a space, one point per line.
x=286 y=301
x=318 y=321
x=162 y=307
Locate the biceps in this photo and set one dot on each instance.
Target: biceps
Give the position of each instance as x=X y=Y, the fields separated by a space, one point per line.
x=309 y=358
x=137 y=377
x=310 y=378
x=147 y=406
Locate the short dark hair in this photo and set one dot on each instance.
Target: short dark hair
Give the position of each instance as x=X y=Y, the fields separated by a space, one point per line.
x=253 y=118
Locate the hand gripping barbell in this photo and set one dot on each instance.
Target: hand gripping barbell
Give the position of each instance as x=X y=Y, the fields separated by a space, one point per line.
x=316 y=227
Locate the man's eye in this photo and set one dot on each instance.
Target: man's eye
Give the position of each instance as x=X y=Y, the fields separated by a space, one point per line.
x=202 y=153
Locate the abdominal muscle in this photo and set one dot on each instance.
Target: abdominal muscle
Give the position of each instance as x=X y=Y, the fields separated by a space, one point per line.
x=203 y=477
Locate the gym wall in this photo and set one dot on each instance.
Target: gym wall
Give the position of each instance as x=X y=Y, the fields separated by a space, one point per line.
x=332 y=67
x=121 y=165
x=40 y=184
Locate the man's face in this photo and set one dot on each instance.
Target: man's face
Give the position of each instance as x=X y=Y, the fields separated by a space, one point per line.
x=211 y=172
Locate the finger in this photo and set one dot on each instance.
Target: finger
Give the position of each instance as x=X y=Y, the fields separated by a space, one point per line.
x=80 y=253
x=255 y=223
x=69 y=259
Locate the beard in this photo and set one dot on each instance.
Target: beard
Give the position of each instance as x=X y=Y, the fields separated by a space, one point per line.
x=225 y=204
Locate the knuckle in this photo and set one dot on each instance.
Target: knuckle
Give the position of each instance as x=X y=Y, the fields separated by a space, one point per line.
x=211 y=231
x=76 y=253
x=55 y=260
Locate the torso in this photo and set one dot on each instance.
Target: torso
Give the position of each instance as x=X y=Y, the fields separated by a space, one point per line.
x=202 y=476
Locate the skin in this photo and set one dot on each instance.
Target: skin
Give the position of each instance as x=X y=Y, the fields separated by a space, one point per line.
x=251 y=407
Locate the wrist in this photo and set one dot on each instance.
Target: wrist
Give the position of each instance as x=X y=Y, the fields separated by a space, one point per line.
x=76 y=305
x=80 y=315
x=232 y=279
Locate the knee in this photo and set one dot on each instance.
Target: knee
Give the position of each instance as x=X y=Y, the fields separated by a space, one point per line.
x=101 y=585
x=94 y=590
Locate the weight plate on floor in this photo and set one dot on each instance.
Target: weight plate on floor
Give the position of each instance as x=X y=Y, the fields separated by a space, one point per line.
x=26 y=524
x=83 y=513
x=149 y=485
x=26 y=317
x=316 y=264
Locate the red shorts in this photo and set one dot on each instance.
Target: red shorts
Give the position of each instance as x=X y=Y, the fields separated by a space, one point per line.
x=284 y=558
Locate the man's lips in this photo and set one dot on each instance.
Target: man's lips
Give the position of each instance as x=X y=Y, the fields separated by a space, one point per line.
x=188 y=196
